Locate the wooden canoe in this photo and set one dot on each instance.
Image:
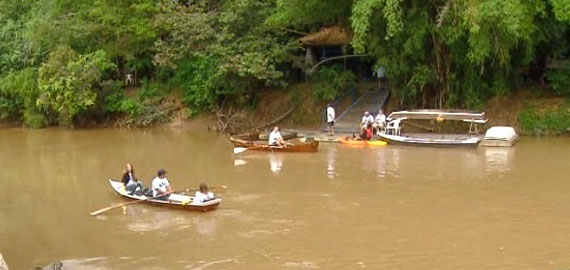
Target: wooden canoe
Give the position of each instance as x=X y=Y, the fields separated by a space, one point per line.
x=254 y=136
x=179 y=201
x=298 y=145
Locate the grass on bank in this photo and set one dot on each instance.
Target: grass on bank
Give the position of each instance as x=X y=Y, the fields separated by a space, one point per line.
x=549 y=121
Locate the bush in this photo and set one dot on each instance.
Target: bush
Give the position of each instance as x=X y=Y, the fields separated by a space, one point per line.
x=34 y=119
x=200 y=81
x=560 y=81
x=549 y=122
x=18 y=95
x=117 y=102
x=67 y=82
x=331 y=82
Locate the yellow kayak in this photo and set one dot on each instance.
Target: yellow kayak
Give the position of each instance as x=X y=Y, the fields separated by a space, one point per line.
x=350 y=141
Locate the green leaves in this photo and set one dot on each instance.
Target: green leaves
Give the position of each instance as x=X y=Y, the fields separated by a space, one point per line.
x=561 y=9
x=67 y=80
x=331 y=82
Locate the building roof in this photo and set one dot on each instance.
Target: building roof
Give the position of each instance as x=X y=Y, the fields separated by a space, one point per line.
x=332 y=35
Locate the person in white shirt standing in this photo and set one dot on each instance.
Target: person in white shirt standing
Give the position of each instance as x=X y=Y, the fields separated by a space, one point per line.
x=379 y=122
x=330 y=118
x=275 y=138
x=160 y=185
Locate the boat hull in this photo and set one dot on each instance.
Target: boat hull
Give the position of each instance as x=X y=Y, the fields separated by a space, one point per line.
x=429 y=142
x=500 y=143
x=348 y=141
x=298 y=146
x=202 y=207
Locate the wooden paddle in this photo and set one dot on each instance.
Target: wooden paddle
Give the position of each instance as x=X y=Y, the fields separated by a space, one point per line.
x=94 y=213
x=238 y=150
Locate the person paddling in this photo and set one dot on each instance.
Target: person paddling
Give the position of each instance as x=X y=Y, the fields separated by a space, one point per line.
x=160 y=185
x=275 y=138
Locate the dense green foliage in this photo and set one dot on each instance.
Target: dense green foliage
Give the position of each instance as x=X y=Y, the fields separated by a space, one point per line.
x=560 y=81
x=64 y=60
x=331 y=82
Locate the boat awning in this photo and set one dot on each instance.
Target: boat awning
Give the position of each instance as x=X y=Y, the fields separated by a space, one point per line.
x=440 y=115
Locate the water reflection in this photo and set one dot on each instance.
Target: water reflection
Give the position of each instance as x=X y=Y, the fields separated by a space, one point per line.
x=239 y=162
x=498 y=159
x=331 y=159
x=382 y=162
x=275 y=162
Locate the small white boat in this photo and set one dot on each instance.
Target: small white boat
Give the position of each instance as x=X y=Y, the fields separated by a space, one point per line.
x=500 y=136
x=180 y=201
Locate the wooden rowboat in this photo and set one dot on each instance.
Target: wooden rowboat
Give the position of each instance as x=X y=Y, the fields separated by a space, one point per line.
x=179 y=201
x=297 y=145
x=254 y=136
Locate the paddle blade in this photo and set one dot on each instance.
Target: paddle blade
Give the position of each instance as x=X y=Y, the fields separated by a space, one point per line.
x=222 y=187
x=238 y=150
x=94 y=213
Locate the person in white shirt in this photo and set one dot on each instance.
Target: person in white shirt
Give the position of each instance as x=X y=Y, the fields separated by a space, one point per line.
x=275 y=138
x=381 y=77
x=366 y=123
x=203 y=195
x=330 y=118
x=367 y=119
x=379 y=122
x=160 y=185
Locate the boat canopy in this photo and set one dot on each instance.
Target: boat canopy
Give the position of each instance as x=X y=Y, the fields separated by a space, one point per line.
x=500 y=133
x=440 y=115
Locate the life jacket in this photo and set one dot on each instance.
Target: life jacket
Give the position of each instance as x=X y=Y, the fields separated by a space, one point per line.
x=369 y=133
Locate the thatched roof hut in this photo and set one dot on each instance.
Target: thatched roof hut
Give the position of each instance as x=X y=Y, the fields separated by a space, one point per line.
x=328 y=36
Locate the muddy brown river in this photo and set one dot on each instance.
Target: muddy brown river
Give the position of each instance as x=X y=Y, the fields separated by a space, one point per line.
x=341 y=208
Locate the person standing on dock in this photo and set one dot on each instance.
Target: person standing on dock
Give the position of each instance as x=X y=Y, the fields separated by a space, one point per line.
x=330 y=118
x=381 y=77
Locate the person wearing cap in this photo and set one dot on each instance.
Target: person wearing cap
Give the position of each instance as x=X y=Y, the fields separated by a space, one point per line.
x=366 y=126
x=160 y=185
x=203 y=195
x=366 y=119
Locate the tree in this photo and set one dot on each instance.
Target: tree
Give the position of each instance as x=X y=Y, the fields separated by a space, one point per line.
x=67 y=81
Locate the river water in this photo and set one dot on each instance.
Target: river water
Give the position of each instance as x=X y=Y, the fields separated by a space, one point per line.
x=341 y=208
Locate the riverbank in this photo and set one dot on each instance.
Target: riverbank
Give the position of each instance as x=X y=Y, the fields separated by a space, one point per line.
x=296 y=107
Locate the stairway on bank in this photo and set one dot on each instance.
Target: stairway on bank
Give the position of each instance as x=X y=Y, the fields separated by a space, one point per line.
x=371 y=101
